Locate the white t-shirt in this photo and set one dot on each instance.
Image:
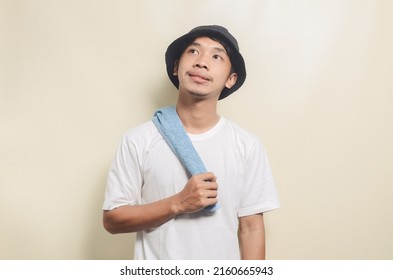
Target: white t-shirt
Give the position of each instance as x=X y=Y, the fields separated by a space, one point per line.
x=146 y=170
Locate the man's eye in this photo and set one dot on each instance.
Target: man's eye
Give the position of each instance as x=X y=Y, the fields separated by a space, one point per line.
x=193 y=51
x=216 y=56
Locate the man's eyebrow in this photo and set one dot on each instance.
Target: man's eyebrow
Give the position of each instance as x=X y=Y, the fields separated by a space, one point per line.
x=196 y=44
x=220 y=49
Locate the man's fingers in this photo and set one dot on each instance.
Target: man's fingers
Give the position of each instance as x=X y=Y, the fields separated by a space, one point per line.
x=209 y=180
x=208 y=177
x=211 y=194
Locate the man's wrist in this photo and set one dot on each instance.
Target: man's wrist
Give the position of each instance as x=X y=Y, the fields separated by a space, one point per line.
x=175 y=205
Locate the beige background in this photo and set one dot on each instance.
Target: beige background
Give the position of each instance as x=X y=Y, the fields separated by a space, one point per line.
x=75 y=75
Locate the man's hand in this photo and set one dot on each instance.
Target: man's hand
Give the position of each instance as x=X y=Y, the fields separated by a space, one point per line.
x=199 y=192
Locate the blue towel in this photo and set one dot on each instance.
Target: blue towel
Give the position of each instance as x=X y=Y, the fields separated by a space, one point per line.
x=171 y=128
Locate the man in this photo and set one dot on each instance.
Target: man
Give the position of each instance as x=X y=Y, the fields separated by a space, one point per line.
x=148 y=189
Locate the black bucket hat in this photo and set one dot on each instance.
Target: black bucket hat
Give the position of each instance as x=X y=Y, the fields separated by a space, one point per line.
x=215 y=32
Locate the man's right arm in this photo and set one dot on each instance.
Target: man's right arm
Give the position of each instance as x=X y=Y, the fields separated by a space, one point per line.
x=199 y=192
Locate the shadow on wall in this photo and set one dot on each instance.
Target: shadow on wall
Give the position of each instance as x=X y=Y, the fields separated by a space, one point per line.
x=101 y=245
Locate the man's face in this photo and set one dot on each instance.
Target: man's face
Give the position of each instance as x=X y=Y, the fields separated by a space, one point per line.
x=204 y=69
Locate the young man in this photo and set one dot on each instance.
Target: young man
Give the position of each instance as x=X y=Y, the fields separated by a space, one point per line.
x=149 y=191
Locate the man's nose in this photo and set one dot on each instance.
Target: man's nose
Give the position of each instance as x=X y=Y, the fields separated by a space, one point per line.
x=201 y=62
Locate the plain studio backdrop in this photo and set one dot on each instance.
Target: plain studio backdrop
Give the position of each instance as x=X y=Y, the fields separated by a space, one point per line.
x=75 y=75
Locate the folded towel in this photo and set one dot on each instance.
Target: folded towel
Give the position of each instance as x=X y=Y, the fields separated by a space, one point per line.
x=171 y=128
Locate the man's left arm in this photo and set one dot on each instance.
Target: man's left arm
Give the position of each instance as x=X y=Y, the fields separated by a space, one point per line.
x=251 y=236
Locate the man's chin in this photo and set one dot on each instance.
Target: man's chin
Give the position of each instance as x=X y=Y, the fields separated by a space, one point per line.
x=199 y=94
x=202 y=94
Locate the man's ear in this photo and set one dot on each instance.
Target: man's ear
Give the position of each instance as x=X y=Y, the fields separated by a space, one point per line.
x=231 y=81
x=176 y=68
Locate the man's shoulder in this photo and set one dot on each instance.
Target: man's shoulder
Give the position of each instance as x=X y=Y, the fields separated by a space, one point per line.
x=146 y=127
x=245 y=141
x=241 y=133
x=142 y=132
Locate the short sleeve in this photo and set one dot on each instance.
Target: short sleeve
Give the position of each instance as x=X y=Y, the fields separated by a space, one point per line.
x=259 y=193
x=124 y=181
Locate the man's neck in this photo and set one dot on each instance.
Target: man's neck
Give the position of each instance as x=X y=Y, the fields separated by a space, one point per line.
x=198 y=117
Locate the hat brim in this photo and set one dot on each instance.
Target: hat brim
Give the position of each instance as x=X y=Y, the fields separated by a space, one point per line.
x=176 y=48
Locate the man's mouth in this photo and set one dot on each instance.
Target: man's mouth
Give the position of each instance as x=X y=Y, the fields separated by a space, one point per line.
x=197 y=77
